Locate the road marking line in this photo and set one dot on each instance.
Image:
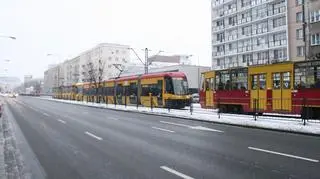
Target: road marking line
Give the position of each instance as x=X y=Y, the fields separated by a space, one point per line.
x=205 y=129
x=45 y=114
x=64 y=122
x=166 y=130
x=176 y=124
x=92 y=135
x=176 y=172
x=192 y=127
x=114 y=118
x=283 y=154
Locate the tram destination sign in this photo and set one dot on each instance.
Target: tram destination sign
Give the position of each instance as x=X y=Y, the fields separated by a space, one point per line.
x=308 y=63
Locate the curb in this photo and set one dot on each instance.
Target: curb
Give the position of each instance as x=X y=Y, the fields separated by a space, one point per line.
x=193 y=119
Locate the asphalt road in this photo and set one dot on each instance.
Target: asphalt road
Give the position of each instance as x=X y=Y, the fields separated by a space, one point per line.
x=72 y=141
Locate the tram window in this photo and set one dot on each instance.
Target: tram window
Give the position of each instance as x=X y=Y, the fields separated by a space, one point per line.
x=207 y=84
x=110 y=91
x=262 y=81
x=317 y=77
x=212 y=84
x=169 y=87
x=300 y=78
x=307 y=77
x=119 y=90
x=202 y=81
x=133 y=89
x=159 y=86
x=276 y=80
x=145 y=90
x=254 y=82
x=239 y=79
x=286 y=80
x=219 y=85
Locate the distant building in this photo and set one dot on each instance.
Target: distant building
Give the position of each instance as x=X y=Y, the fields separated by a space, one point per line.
x=175 y=59
x=27 y=78
x=104 y=56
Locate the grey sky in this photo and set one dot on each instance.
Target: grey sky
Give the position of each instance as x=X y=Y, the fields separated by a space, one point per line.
x=68 y=27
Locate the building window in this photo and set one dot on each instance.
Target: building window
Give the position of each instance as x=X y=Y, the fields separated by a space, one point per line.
x=218 y=62
x=315 y=39
x=299 y=17
x=246 y=58
x=117 y=59
x=299 y=2
x=117 y=51
x=110 y=58
x=300 y=51
x=220 y=37
x=281 y=21
x=315 y=16
x=246 y=30
x=280 y=54
x=299 y=34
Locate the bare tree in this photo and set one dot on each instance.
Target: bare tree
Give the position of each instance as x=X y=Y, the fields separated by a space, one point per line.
x=94 y=74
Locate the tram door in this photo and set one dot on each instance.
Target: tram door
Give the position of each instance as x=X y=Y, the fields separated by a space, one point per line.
x=209 y=88
x=281 y=92
x=258 y=95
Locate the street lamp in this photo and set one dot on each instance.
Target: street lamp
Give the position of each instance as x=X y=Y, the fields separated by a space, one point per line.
x=10 y=37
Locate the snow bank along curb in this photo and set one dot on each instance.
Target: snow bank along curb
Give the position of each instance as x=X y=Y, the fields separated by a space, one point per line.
x=283 y=124
x=12 y=164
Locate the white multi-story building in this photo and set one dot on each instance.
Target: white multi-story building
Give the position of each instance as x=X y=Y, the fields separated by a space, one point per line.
x=104 y=56
x=249 y=32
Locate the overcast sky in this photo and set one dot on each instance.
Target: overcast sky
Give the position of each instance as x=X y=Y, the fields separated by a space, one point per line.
x=68 y=27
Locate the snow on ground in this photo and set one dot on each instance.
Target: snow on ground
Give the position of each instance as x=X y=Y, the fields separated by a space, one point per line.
x=11 y=161
x=276 y=123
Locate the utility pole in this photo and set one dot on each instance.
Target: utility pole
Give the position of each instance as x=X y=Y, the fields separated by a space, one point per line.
x=146 y=63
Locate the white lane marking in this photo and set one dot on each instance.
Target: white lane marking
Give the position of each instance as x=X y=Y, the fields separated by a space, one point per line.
x=205 y=129
x=176 y=172
x=114 y=118
x=166 y=130
x=192 y=127
x=62 y=121
x=283 y=154
x=176 y=124
x=85 y=112
x=92 y=135
x=45 y=114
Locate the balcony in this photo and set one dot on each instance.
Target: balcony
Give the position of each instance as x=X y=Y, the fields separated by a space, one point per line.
x=218 y=3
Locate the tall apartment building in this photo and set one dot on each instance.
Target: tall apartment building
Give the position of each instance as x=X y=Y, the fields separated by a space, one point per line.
x=313 y=28
x=252 y=32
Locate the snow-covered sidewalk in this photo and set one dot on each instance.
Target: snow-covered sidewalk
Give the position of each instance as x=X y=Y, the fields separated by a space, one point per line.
x=279 y=123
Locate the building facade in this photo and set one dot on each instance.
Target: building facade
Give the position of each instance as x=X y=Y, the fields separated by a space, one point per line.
x=104 y=56
x=251 y=32
x=313 y=14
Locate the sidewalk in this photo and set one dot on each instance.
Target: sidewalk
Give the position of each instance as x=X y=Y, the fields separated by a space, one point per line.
x=280 y=123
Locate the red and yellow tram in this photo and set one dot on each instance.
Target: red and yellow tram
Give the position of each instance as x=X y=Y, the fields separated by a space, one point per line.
x=291 y=87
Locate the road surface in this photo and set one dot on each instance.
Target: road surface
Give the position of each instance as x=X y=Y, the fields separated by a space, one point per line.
x=72 y=141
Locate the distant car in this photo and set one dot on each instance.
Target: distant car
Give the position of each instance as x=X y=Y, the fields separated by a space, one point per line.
x=195 y=98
